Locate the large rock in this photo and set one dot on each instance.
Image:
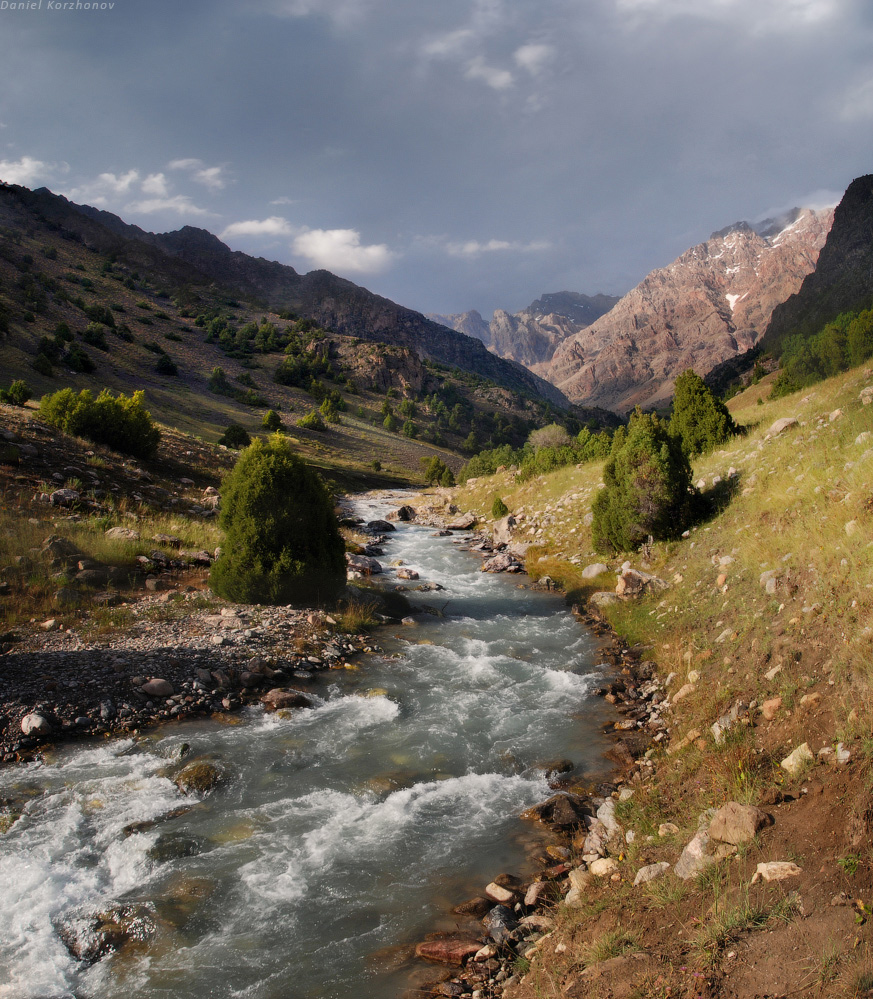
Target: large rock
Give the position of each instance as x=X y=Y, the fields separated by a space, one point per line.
x=278 y=699
x=633 y=583
x=122 y=534
x=650 y=872
x=380 y=526
x=594 y=570
x=736 y=823
x=560 y=810
x=35 y=724
x=781 y=425
x=454 y=950
x=363 y=563
x=501 y=532
x=499 y=923
x=64 y=497
x=403 y=513
x=502 y=562
x=158 y=687
x=462 y=523
x=798 y=760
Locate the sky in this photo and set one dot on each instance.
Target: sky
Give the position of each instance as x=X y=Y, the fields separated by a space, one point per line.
x=447 y=154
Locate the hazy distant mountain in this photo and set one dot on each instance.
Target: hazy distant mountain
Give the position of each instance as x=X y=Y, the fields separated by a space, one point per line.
x=843 y=277
x=531 y=336
x=710 y=304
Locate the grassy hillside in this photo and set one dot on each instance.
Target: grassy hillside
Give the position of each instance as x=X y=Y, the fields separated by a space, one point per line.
x=73 y=312
x=795 y=655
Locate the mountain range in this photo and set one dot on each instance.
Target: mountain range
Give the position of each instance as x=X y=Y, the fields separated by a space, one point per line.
x=711 y=304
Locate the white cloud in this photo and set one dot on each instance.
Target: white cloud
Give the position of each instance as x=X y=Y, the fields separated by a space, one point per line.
x=284 y=200
x=27 y=171
x=343 y=13
x=273 y=226
x=773 y=16
x=534 y=57
x=498 y=79
x=473 y=248
x=451 y=45
x=340 y=251
x=210 y=177
x=155 y=184
x=105 y=189
x=179 y=204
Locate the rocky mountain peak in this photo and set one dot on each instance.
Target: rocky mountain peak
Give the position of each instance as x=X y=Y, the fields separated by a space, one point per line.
x=712 y=303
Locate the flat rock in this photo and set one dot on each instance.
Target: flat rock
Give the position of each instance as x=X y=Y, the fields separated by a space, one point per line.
x=650 y=872
x=594 y=570
x=780 y=425
x=454 y=950
x=363 y=563
x=776 y=870
x=122 y=534
x=158 y=687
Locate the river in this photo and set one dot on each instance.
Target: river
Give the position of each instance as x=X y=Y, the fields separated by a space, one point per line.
x=345 y=830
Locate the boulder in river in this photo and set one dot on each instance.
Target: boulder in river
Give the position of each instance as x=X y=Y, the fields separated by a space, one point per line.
x=380 y=527
x=278 y=699
x=363 y=563
x=452 y=949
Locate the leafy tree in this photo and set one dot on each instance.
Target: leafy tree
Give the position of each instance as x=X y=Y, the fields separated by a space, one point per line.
x=282 y=542
x=236 y=436
x=648 y=487
x=436 y=471
x=409 y=429
x=79 y=360
x=17 y=394
x=700 y=420
x=553 y=435
x=390 y=422
x=271 y=421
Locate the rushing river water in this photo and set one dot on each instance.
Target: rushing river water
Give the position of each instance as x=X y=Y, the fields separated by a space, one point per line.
x=344 y=830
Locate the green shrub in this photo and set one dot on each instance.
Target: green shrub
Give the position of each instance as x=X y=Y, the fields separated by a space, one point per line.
x=499 y=508
x=236 y=436
x=648 y=487
x=78 y=360
x=282 y=543
x=271 y=421
x=312 y=421
x=17 y=394
x=43 y=365
x=166 y=365
x=95 y=336
x=700 y=420
x=118 y=422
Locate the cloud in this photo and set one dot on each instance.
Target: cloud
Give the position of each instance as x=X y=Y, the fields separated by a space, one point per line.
x=452 y=45
x=773 y=16
x=473 y=248
x=210 y=177
x=273 y=226
x=106 y=188
x=534 y=57
x=27 y=171
x=179 y=204
x=343 y=13
x=284 y=200
x=155 y=184
x=497 y=79
x=340 y=251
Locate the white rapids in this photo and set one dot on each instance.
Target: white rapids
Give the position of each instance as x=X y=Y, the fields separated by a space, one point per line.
x=344 y=830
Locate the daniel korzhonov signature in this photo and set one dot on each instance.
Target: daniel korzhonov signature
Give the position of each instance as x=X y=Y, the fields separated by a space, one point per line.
x=55 y=5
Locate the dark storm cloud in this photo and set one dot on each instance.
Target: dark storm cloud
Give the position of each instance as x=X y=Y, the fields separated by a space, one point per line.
x=472 y=153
